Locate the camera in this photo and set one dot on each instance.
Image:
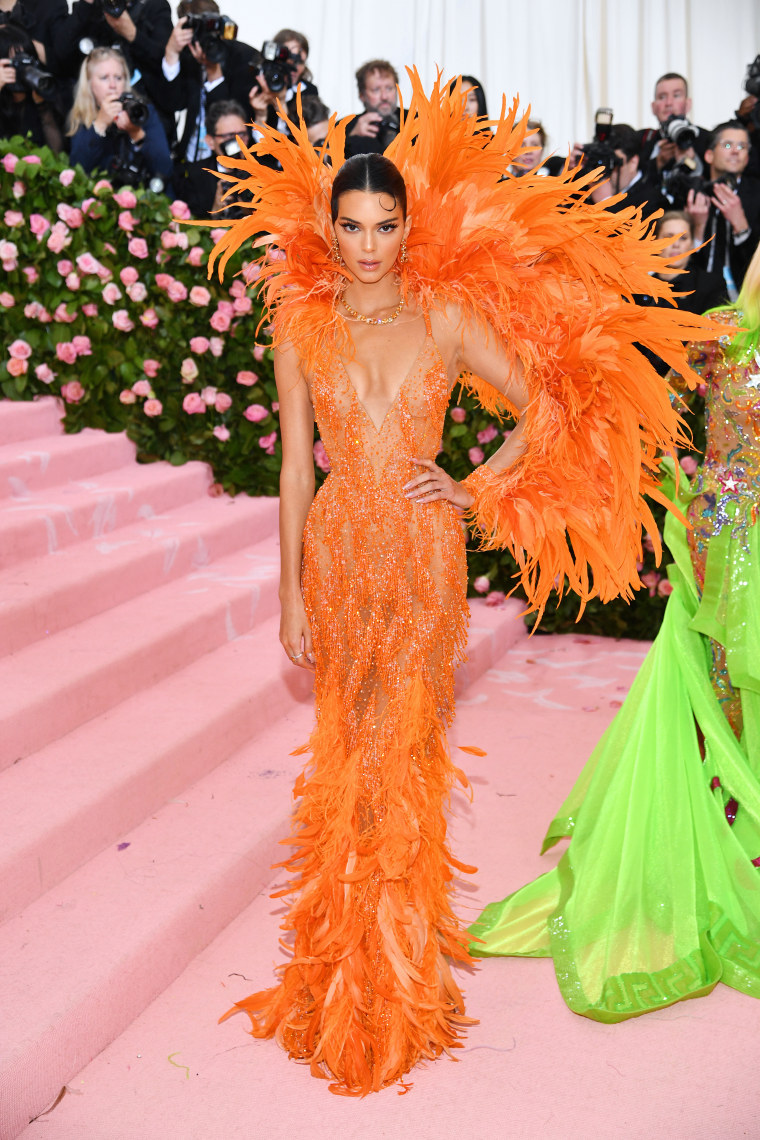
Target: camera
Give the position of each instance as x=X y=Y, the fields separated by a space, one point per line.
x=678 y=130
x=277 y=65
x=683 y=178
x=752 y=87
x=600 y=152
x=388 y=127
x=116 y=8
x=212 y=33
x=31 y=76
x=136 y=108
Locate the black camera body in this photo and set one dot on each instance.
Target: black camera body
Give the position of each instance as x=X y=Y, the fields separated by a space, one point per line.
x=596 y=154
x=117 y=8
x=677 y=129
x=277 y=64
x=388 y=127
x=212 y=33
x=31 y=76
x=136 y=108
x=682 y=179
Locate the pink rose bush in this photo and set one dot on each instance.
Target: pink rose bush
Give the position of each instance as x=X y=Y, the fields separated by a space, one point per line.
x=72 y=392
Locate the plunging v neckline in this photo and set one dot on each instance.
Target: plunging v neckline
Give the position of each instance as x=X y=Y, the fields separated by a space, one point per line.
x=402 y=385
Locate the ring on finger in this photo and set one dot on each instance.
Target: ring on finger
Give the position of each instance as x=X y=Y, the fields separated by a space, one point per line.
x=295 y=656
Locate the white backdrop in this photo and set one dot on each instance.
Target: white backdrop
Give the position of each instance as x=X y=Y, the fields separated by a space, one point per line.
x=564 y=57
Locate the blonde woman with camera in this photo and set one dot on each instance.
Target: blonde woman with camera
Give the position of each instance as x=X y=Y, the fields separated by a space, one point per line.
x=114 y=130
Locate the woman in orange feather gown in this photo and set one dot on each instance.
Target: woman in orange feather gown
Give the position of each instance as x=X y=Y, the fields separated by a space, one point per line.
x=394 y=286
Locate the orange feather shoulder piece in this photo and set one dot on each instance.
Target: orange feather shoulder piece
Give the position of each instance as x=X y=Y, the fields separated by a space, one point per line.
x=555 y=276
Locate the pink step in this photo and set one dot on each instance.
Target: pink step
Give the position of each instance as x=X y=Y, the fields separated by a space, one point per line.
x=44 y=461
x=55 y=517
x=25 y=419
x=53 y=686
x=48 y=594
x=94 y=956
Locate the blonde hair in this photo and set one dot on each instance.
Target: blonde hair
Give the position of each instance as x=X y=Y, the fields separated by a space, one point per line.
x=84 y=110
x=674 y=216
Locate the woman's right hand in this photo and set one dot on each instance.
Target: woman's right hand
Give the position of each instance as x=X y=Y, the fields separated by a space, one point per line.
x=7 y=73
x=295 y=633
x=108 y=112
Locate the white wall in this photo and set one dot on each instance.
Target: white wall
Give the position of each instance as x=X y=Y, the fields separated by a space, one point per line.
x=565 y=57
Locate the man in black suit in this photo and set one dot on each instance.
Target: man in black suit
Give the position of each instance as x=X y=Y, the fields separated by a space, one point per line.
x=627 y=178
x=196 y=182
x=658 y=153
x=140 y=32
x=191 y=80
x=729 y=220
x=374 y=129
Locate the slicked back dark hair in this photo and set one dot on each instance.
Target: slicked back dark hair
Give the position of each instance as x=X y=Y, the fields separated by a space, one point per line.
x=372 y=173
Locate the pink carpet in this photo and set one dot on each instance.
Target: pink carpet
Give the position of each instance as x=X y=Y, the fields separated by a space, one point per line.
x=145 y=784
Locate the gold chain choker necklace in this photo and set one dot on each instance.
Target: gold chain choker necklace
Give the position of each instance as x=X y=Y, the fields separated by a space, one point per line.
x=372 y=320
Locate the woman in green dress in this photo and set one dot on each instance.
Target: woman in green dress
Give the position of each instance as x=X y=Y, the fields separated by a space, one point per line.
x=657 y=897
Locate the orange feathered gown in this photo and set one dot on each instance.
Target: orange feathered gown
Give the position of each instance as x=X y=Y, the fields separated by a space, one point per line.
x=368 y=990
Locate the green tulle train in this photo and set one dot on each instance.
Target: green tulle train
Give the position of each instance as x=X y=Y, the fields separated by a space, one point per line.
x=657 y=897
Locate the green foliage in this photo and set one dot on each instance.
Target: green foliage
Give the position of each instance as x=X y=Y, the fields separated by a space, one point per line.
x=106 y=304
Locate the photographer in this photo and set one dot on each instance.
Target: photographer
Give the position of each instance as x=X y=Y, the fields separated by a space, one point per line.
x=627 y=178
x=376 y=128
x=29 y=99
x=748 y=114
x=676 y=140
x=281 y=74
x=112 y=129
x=728 y=208
x=196 y=182
x=40 y=19
x=139 y=28
x=203 y=63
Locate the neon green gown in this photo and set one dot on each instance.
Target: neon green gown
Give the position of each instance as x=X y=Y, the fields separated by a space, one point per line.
x=657 y=897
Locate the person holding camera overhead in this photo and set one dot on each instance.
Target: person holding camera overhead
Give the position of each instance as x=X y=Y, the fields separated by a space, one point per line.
x=282 y=73
x=29 y=97
x=114 y=130
x=203 y=63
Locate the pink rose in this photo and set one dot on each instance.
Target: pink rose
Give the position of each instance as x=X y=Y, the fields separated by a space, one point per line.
x=199 y=344
x=63 y=315
x=216 y=345
x=32 y=159
x=208 y=395
x=72 y=392
x=82 y=345
x=246 y=378
x=67 y=176
x=16 y=367
x=267 y=443
x=150 y=368
x=242 y=305
x=223 y=402
x=195 y=256
x=43 y=315
x=8 y=251
x=57 y=240
x=87 y=210
x=121 y=321
x=102 y=186
x=14 y=218
x=66 y=352
x=103 y=272
x=10 y=265
x=142 y=387
x=111 y=293
x=73 y=281
x=126 y=221
x=321 y=457
x=218 y=233
x=651 y=581
x=138 y=247
x=487 y=434
x=7 y=300
x=164 y=280
x=276 y=408
x=90 y=309
x=127 y=396
x=256 y=413
x=226 y=307
x=180 y=209
x=199 y=295
x=45 y=374
x=125 y=199
x=664 y=588
x=31 y=274
x=129 y=275
x=458 y=415
x=181 y=240
x=70 y=215
x=137 y=292
x=495 y=598
x=32 y=310
x=19 y=189
x=188 y=370
x=9 y=163
x=193 y=404
x=86 y=263
x=274 y=253
x=220 y=322
x=482 y=584
x=689 y=465
x=149 y=318
x=477 y=455
x=168 y=239
x=237 y=288
x=176 y=292
x=259 y=352
x=153 y=407
x=20 y=350
x=64 y=267
x=251 y=271
x=221 y=432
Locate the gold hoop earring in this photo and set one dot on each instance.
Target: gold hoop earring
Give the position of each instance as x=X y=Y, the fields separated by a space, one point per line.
x=335 y=253
x=403 y=255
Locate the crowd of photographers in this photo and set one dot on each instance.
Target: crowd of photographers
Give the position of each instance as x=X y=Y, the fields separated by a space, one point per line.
x=146 y=99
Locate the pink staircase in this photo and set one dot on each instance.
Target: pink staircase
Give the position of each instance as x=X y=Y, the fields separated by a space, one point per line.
x=147 y=717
